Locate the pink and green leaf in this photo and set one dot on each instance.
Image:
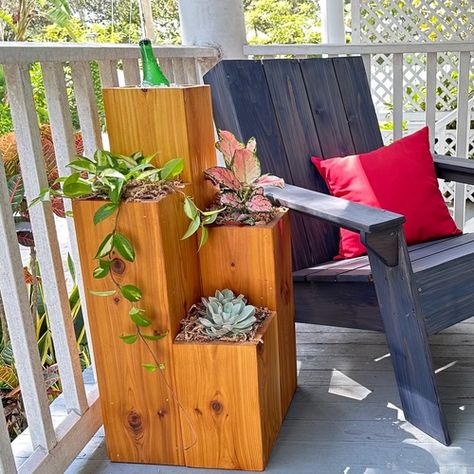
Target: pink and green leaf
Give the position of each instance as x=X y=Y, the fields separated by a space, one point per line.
x=269 y=180
x=246 y=166
x=223 y=177
x=227 y=145
x=259 y=203
x=229 y=198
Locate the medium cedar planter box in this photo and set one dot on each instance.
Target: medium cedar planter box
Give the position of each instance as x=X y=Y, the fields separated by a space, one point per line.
x=171 y=122
x=256 y=261
x=231 y=392
x=141 y=417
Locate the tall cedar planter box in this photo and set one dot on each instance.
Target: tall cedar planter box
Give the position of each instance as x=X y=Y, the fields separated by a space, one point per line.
x=171 y=122
x=141 y=417
x=232 y=394
x=256 y=261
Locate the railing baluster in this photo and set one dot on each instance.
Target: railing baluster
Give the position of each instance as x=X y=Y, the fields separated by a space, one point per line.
x=20 y=327
x=462 y=133
x=131 y=72
x=86 y=106
x=65 y=150
x=167 y=67
x=430 y=107
x=178 y=70
x=397 y=96
x=367 y=58
x=190 y=76
x=46 y=240
x=108 y=73
x=7 y=461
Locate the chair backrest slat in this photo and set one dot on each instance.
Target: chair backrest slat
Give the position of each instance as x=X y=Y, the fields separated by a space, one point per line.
x=297 y=109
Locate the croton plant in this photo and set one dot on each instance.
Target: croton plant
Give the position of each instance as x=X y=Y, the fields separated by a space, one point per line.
x=240 y=199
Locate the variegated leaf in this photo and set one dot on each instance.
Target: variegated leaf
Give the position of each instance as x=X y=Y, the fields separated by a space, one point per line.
x=259 y=203
x=229 y=198
x=269 y=180
x=223 y=177
x=227 y=145
x=246 y=166
x=252 y=145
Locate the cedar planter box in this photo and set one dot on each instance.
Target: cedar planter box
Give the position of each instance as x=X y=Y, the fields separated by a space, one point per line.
x=232 y=395
x=173 y=122
x=141 y=417
x=256 y=261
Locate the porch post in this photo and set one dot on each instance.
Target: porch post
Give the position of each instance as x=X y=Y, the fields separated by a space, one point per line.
x=332 y=21
x=218 y=23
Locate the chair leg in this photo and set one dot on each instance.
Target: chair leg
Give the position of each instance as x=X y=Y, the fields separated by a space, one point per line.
x=406 y=336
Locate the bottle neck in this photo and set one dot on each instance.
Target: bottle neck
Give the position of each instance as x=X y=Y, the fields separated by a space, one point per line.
x=147 y=53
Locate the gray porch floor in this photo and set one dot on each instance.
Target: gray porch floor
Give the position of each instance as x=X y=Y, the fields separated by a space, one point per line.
x=346 y=417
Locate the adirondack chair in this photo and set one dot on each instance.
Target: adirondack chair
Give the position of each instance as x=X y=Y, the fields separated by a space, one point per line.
x=296 y=109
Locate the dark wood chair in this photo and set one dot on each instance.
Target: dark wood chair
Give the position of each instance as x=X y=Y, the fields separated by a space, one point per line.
x=323 y=107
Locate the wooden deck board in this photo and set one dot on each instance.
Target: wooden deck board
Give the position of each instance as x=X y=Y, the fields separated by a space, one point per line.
x=328 y=432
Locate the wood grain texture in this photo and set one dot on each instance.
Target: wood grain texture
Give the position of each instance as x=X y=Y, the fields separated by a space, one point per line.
x=141 y=418
x=407 y=337
x=256 y=261
x=173 y=122
x=232 y=393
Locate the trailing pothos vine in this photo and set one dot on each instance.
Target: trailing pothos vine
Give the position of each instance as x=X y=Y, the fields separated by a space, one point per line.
x=117 y=179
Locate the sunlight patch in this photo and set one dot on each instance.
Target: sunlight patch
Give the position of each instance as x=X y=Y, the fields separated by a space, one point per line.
x=344 y=386
x=447 y=366
x=378 y=359
x=400 y=414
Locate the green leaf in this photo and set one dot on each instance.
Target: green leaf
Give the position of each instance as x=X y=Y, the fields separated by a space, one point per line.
x=150 y=367
x=71 y=268
x=103 y=269
x=83 y=164
x=104 y=211
x=69 y=214
x=103 y=293
x=124 y=247
x=74 y=186
x=209 y=219
x=44 y=195
x=106 y=246
x=215 y=212
x=111 y=173
x=172 y=168
x=156 y=337
x=131 y=293
x=203 y=238
x=136 y=315
x=116 y=192
x=190 y=208
x=148 y=174
x=193 y=227
x=129 y=338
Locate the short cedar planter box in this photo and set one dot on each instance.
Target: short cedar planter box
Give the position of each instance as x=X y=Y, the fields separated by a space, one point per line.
x=256 y=261
x=231 y=393
x=141 y=416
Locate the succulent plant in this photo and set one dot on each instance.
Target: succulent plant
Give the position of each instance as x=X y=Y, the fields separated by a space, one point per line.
x=226 y=315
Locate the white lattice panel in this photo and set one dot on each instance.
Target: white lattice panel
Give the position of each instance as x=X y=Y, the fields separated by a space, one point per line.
x=391 y=21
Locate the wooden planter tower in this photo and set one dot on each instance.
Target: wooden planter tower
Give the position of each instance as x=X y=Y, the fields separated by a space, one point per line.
x=233 y=396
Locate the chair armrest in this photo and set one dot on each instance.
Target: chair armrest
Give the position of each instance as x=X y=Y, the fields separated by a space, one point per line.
x=452 y=168
x=337 y=211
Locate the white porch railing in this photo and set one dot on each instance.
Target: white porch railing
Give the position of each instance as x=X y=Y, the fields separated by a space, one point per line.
x=399 y=60
x=55 y=443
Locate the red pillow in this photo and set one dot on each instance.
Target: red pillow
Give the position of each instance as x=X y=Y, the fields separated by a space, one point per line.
x=400 y=178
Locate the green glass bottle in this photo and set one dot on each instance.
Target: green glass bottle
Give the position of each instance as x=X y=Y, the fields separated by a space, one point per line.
x=152 y=74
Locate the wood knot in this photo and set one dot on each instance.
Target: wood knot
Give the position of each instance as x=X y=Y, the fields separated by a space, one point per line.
x=116 y=299
x=161 y=413
x=232 y=264
x=134 y=420
x=118 y=266
x=198 y=411
x=216 y=406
